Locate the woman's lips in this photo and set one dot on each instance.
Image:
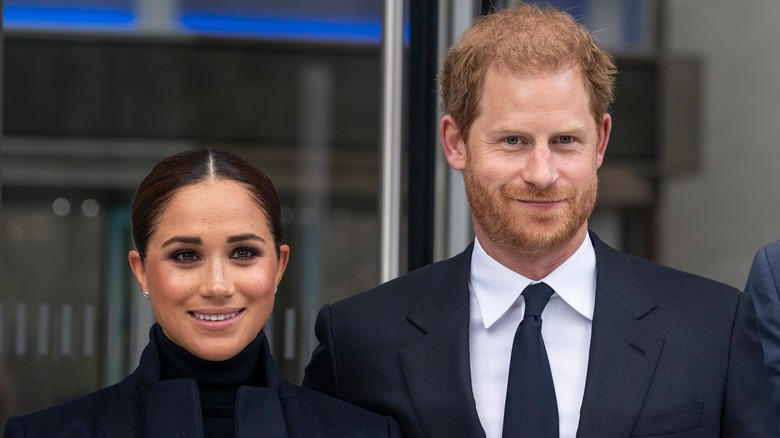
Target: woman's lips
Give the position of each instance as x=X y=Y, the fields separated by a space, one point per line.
x=214 y=317
x=218 y=318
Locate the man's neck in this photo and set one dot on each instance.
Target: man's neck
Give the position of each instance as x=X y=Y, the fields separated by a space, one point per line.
x=531 y=267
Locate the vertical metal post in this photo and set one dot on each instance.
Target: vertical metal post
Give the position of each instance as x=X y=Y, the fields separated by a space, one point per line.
x=157 y=16
x=421 y=132
x=315 y=110
x=453 y=229
x=392 y=87
x=117 y=324
x=2 y=50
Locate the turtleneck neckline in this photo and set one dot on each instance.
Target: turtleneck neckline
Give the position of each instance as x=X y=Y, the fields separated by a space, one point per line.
x=218 y=381
x=245 y=368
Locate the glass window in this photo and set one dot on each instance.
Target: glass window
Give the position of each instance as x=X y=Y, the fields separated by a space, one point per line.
x=87 y=114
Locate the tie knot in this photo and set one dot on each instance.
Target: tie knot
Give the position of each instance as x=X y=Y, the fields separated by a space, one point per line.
x=536 y=297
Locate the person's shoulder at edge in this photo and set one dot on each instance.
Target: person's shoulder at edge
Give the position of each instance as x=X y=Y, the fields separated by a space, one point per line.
x=772 y=246
x=770 y=250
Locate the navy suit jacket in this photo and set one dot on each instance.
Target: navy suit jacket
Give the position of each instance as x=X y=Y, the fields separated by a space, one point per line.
x=763 y=288
x=142 y=405
x=671 y=354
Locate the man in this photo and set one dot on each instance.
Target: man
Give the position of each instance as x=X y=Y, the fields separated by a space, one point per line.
x=627 y=347
x=762 y=286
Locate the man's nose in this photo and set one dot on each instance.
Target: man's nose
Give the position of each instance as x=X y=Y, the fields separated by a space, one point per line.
x=539 y=169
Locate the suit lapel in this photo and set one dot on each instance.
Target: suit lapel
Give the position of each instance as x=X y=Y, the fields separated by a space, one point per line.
x=437 y=367
x=623 y=354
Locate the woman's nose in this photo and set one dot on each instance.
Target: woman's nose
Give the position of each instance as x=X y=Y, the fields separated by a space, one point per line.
x=216 y=282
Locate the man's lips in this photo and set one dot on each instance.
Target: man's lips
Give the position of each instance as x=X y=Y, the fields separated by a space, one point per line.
x=541 y=201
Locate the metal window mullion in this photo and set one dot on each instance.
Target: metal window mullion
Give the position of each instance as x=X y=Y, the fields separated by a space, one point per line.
x=392 y=87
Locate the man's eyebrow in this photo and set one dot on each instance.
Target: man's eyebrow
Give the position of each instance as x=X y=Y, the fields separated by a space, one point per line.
x=512 y=128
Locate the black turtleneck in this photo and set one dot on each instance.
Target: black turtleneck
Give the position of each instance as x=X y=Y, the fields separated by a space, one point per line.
x=218 y=382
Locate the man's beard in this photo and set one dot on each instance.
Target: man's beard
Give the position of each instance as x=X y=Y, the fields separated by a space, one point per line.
x=531 y=234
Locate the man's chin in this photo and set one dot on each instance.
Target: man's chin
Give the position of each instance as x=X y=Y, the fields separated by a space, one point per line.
x=540 y=242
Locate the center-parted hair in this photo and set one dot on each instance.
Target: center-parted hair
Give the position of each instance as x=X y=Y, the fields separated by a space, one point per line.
x=525 y=40
x=191 y=167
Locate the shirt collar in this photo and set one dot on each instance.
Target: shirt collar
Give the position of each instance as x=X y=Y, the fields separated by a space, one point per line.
x=497 y=287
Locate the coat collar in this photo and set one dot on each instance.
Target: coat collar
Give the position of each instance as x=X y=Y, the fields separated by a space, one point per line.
x=173 y=406
x=173 y=409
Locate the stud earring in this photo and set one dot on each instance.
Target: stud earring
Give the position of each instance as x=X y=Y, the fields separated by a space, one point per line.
x=145 y=294
x=276 y=288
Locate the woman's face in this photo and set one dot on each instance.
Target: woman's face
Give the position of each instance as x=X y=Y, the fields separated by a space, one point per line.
x=211 y=269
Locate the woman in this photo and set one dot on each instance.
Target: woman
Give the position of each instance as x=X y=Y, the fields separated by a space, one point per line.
x=207 y=231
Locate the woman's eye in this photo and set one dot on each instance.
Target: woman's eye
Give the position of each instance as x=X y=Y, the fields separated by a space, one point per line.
x=185 y=256
x=566 y=139
x=244 y=253
x=513 y=140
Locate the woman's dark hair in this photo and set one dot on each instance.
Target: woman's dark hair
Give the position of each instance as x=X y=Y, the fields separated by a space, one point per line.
x=191 y=167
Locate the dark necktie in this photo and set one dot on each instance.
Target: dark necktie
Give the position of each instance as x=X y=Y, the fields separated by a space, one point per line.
x=531 y=409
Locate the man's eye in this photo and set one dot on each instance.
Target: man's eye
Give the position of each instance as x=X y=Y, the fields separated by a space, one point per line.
x=566 y=139
x=513 y=140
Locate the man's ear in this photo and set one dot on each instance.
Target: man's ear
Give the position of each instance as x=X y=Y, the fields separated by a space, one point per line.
x=452 y=143
x=604 y=130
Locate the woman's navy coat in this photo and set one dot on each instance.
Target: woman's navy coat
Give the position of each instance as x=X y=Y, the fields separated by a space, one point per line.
x=143 y=406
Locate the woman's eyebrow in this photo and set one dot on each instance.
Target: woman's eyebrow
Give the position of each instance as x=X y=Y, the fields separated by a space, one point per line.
x=245 y=236
x=183 y=239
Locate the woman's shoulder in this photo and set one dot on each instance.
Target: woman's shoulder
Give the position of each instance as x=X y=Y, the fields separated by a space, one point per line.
x=76 y=417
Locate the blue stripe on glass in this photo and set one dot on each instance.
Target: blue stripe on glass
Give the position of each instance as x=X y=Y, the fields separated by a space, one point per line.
x=67 y=17
x=214 y=24
x=286 y=29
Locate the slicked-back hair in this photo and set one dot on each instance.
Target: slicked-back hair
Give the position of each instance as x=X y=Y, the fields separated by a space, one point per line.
x=524 y=40
x=191 y=167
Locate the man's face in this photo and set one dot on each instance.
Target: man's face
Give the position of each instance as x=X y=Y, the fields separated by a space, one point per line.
x=531 y=160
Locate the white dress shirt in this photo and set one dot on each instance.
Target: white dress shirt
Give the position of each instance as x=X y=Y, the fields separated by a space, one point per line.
x=497 y=308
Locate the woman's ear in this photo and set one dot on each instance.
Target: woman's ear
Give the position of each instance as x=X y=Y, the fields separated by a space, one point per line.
x=284 y=257
x=137 y=265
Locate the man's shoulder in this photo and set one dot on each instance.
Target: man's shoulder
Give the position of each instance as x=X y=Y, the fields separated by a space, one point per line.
x=664 y=282
x=406 y=289
x=660 y=278
x=323 y=412
x=313 y=401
